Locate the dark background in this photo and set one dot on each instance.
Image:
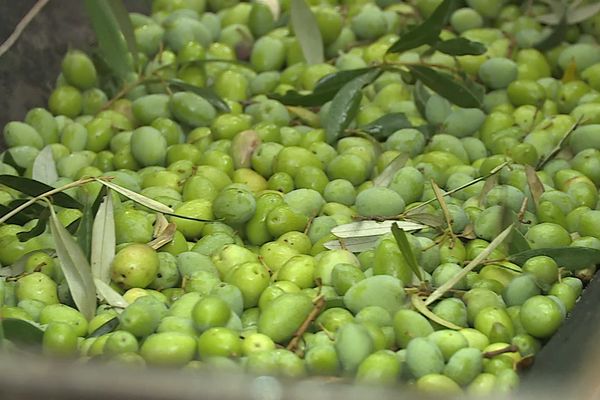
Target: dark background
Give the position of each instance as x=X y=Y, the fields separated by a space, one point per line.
x=28 y=70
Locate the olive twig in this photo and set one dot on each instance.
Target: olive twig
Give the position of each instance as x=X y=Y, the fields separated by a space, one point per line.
x=319 y=305
x=560 y=144
x=31 y=14
x=508 y=349
x=461 y=187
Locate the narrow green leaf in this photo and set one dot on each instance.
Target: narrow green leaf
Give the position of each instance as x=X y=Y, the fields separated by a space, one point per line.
x=106 y=327
x=407 y=252
x=446 y=86
x=439 y=292
x=110 y=39
x=34 y=188
x=517 y=243
x=75 y=267
x=345 y=104
x=25 y=333
x=138 y=198
x=122 y=17
x=429 y=31
x=571 y=258
x=44 y=167
x=420 y=96
x=103 y=241
x=460 y=47
x=307 y=32
x=388 y=173
x=325 y=89
x=556 y=37
x=206 y=93
x=421 y=307
x=8 y=158
x=23 y=217
x=384 y=126
x=38 y=229
x=84 y=226
x=110 y=295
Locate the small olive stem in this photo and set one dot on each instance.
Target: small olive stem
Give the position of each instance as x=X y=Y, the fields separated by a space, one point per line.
x=508 y=349
x=319 y=304
x=45 y=195
x=123 y=92
x=560 y=144
x=461 y=187
x=522 y=210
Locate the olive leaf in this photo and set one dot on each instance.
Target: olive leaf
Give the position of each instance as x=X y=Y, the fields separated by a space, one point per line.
x=574 y=12
x=75 y=267
x=571 y=258
x=428 y=32
x=106 y=327
x=8 y=158
x=35 y=188
x=103 y=240
x=421 y=307
x=165 y=237
x=206 y=93
x=124 y=22
x=420 y=96
x=384 y=126
x=138 y=198
x=111 y=43
x=38 y=229
x=108 y=294
x=85 y=225
x=44 y=167
x=536 y=187
x=556 y=37
x=353 y=244
x=439 y=292
x=460 y=47
x=345 y=104
x=325 y=89
x=307 y=32
x=447 y=86
x=407 y=251
x=19 y=331
x=373 y=228
x=387 y=175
